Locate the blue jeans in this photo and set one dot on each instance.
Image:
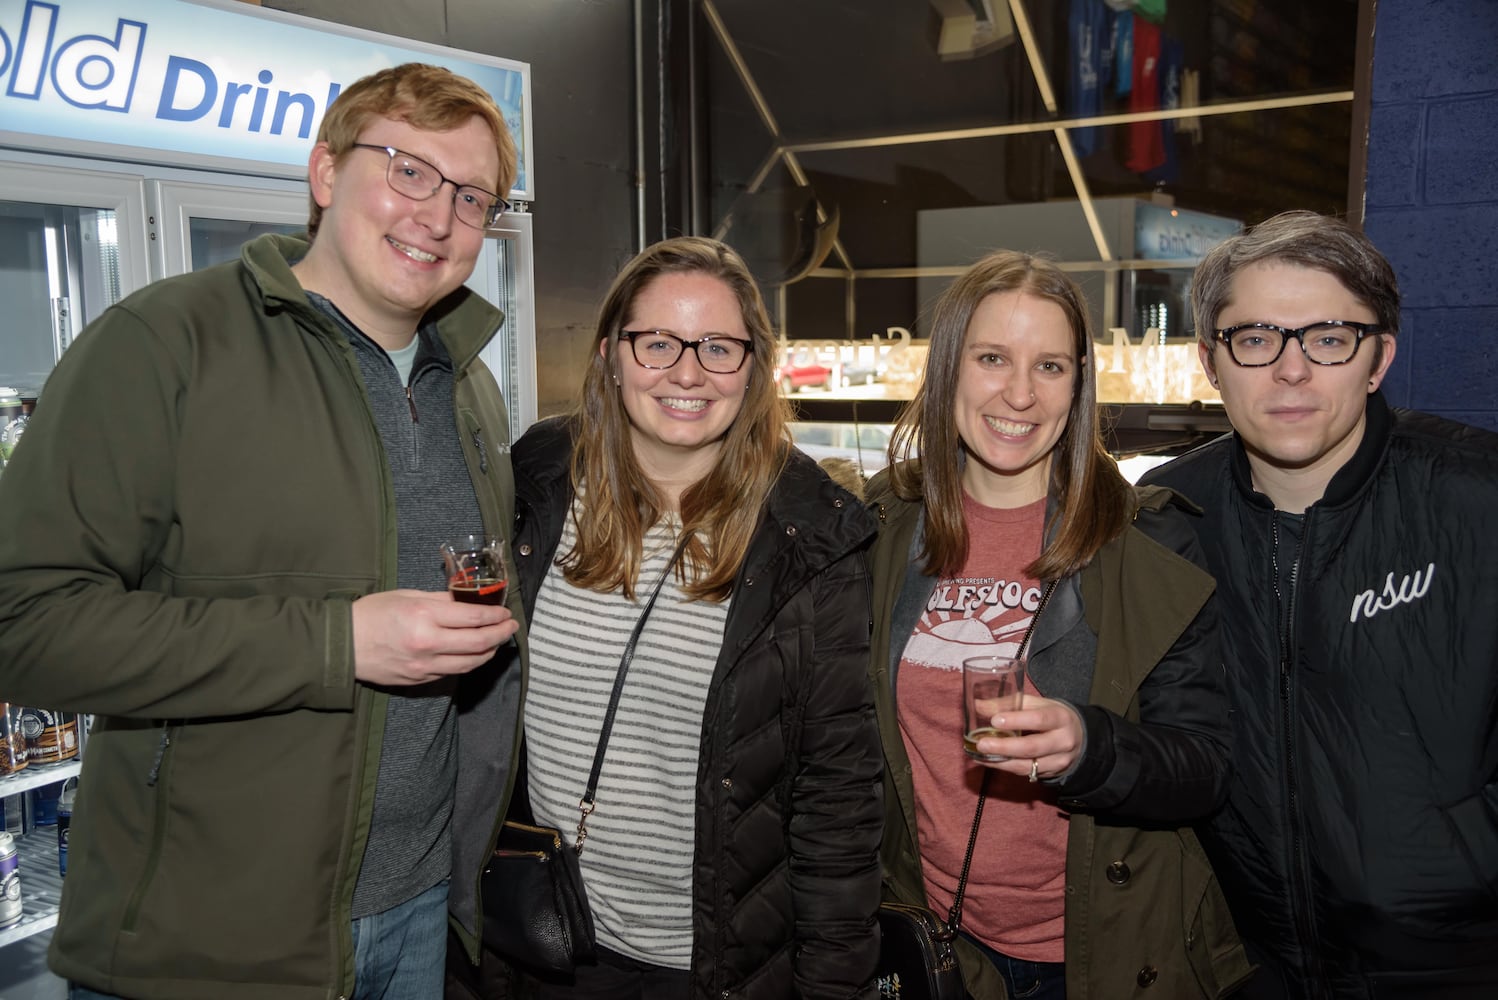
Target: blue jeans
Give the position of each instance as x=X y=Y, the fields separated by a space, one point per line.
x=399 y=954
x=1027 y=980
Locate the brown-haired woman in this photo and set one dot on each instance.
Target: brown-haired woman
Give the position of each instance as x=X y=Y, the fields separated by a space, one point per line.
x=734 y=848
x=1014 y=520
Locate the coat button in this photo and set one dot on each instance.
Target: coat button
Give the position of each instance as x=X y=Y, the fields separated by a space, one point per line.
x=1118 y=873
x=790 y=529
x=837 y=503
x=727 y=782
x=525 y=548
x=748 y=581
x=1147 y=976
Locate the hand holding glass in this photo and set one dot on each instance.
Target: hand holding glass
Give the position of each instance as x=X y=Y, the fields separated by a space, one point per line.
x=991 y=685
x=476 y=569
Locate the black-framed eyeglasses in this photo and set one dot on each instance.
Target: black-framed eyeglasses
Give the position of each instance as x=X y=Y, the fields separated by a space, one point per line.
x=1330 y=342
x=419 y=180
x=716 y=353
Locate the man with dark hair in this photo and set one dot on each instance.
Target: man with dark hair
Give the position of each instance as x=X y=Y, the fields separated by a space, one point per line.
x=1359 y=845
x=225 y=519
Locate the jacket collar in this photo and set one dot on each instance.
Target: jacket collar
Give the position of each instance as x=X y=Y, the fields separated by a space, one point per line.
x=808 y=524
x=1347 y=481
x=542 y=458
x=463 y=320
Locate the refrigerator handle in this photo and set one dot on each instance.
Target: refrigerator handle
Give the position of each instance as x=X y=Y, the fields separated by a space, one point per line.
x=62 y=326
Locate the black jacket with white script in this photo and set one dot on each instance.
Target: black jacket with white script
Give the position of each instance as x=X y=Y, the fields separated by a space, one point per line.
x=1359 y=845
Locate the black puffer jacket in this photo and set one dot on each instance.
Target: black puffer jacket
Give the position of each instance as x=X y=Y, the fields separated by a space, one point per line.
x=1359 y=847
x=784 y=899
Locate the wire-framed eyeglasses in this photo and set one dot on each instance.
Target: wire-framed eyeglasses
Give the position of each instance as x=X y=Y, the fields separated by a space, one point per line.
x=716 y=353
x=1330 y=342
x=419 y=180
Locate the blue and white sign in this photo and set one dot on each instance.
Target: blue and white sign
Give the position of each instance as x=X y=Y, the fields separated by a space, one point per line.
x=200 y=82
x=1162 y=233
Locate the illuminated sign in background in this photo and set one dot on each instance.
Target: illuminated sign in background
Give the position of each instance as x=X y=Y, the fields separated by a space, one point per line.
x=205 y=81
x=1162 y=233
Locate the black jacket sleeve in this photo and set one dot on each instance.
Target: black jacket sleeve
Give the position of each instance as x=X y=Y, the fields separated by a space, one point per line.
x=1172 y=766
x=837 y=801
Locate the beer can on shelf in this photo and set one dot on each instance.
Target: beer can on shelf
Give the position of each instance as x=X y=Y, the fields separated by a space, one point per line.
x=51 y=737
x=15 y=409
x=44 y=804
x=13 y=752
x=10 y=881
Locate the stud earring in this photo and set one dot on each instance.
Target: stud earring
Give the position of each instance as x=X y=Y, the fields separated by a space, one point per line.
x=616 y=379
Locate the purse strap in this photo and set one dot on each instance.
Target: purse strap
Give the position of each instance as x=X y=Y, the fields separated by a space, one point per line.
x=954 y=916
x=585 y=805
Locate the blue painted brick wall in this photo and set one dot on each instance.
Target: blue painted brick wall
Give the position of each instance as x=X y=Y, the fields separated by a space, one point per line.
x=1432 y=199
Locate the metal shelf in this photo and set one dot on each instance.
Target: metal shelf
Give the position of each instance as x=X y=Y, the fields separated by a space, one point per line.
x=33 y=776
x=1128 y=428
x=41 y=885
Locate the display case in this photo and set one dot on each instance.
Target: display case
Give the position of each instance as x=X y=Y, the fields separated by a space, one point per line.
x=36 y=840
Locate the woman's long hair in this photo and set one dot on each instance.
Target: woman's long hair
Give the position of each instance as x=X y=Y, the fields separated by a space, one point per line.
x=618 y=502
x=1093 y=503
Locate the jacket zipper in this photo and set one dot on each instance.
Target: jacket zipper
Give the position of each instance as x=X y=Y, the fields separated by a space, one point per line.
x=415 y=429
x=160 y=761
x=1300 y=879
x=161 y=749
x=483 y=453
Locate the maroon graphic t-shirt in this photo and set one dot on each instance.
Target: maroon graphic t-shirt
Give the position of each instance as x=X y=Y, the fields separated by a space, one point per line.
x=1015 y=892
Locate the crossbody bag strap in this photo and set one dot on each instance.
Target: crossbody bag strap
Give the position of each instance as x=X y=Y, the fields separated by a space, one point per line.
x=954 y=917
x=585 y=805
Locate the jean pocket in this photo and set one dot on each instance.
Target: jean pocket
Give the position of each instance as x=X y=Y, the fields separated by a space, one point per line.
x=1026 y=980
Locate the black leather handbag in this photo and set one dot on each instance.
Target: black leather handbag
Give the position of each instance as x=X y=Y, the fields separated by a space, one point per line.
x=916 y=958
x=536 y=912
x=535 y=906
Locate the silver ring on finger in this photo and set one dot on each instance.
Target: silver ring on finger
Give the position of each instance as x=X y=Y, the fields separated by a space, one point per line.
x=1034 y=770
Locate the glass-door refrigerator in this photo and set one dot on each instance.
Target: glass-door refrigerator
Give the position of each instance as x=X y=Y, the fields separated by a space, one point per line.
x=77 y=235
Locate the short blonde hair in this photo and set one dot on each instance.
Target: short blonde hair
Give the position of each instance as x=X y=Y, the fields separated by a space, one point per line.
x=430 y=98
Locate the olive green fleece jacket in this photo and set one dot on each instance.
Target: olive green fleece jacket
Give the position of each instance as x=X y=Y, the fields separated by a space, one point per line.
x=200 y=496
x=1144 y=915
